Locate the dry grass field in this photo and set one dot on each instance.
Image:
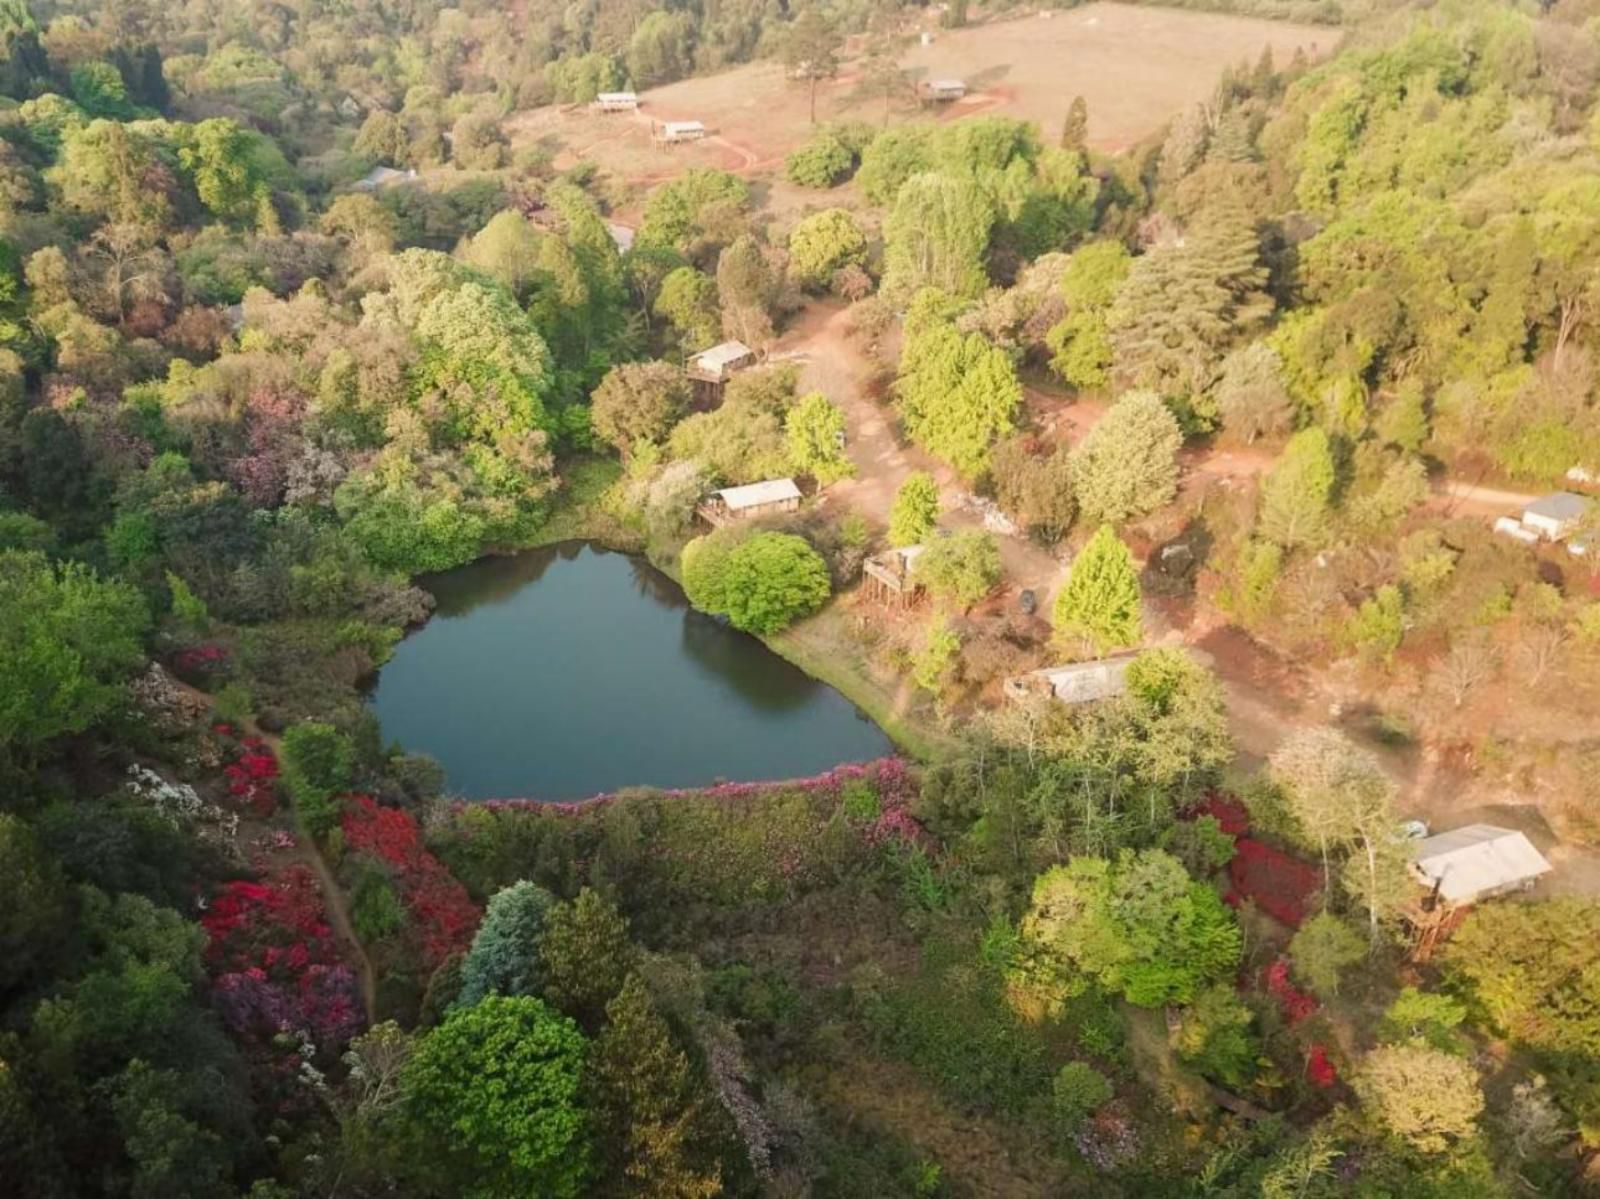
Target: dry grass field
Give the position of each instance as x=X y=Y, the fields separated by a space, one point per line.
x=1136 y=66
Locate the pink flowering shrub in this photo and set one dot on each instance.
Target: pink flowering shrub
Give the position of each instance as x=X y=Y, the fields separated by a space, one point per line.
x=201 y=663
x=727 y=845
x=275 y=965
x=442 y=913
x=1319 y=1070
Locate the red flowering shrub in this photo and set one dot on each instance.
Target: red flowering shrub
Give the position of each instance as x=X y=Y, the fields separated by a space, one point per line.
x=202 y=662
x=442 y=914
x=1319 y=1070
x=1296 y=1004
x=275 y=964
x=252 y=776
x=1280 y=885
x=1229 y=814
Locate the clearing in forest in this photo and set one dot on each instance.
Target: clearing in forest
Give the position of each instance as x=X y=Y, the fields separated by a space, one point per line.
x=1136 y=66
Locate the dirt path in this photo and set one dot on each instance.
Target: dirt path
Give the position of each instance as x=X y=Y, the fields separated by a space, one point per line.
x=334 y=901
x=833 y=362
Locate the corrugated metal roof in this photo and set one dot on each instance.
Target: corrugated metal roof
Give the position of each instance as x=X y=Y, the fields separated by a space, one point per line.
x=1558 y=505
x=754 y=495
x=1478 y=859
x=684 y=126
x=618 y=97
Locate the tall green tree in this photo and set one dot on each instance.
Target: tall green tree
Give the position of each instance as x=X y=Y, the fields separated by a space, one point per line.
x=504 y=958
x=937 y=235
x=1136 y=925
x=958 y=393
x=492 y=1102
x=1100 y=603
x=1127 y=466
x=915 y=512
x=654 y=1125
x=69 y=640
x=811 y=51
x=1297 y=492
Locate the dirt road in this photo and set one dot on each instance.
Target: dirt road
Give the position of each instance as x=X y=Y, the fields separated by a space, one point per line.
x=833 y=362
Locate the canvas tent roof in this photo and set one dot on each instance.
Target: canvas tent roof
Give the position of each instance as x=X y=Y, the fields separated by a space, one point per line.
x=947 y=85
x=754 y=495
x=684 y=127
x=1477 y=860
x=1558 y=506
x=618 y=97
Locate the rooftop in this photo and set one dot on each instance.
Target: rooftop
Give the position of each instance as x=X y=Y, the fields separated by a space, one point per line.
x=684 y=126
x=1478 y=859
x=755 y=495
x=1558 y=505
x=722 y=355
x=621 y=235
x=618 y=97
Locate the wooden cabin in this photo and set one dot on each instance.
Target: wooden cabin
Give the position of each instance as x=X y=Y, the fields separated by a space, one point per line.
x=672 y=133
x=710 y=369
x=733 y=504
x=616 y=102
x=941 y=91
x=889 y=577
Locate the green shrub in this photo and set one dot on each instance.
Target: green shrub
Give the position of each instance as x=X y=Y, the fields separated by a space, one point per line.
x=820 y=162
x=1077 y=1091
x=375 y=909
x=771 y=580
x=318 y=764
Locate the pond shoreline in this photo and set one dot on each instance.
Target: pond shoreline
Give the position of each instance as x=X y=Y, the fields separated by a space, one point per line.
x=579 y=668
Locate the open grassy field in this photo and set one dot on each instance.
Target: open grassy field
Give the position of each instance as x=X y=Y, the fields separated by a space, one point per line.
x=1136 y=66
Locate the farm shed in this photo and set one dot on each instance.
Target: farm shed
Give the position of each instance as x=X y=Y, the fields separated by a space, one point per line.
x=616 y=102
x=943 y=90
x=1554 y=516
x=1076 y=683
x=1477 y=861
x=888 y=576
x=753 y=499
x=672 y=132
x=720 y=361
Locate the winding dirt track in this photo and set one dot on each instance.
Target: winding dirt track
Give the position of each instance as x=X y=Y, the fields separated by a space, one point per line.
x=333 y=897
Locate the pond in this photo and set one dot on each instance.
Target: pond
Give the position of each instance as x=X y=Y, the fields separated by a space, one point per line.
x=568 y=671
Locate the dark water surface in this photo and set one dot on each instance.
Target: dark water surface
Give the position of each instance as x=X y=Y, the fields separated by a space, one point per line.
x=571 y=670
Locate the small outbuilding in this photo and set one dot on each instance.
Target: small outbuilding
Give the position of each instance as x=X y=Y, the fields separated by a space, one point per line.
x=710 y=369
x=733 y=504
x=888 y=577
x=1554 y=516
x=621 y=236
x=616 y=102
x=942 y=91
x=672 y=133
x=1477 y=862
x=1075 y=683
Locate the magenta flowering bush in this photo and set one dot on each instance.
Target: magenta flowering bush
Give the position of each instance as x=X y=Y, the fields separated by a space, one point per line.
x=729 y=844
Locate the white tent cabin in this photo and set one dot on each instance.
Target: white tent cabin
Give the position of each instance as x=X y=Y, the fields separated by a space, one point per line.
x=1477 y=862
x=753 y=499
x=942 y=90
x=616 y=102
x=1554 y=516
x=710 y=369
x=672 y=133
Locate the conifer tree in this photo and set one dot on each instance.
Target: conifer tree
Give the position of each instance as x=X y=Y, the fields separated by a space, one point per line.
x=915 y=511
x=1128 y=464
x=1296 y=492
x=1075 y=130
x=1100 y=603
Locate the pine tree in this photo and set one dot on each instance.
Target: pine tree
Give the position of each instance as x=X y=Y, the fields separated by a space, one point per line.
x=1100 y=602
x=1296 y=493
x=653 y=1119
x=1185 y=147
x=915 y=511
x=1183 y=303
x=1127 y=465
x=1075 y=130
x=1232 y=141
